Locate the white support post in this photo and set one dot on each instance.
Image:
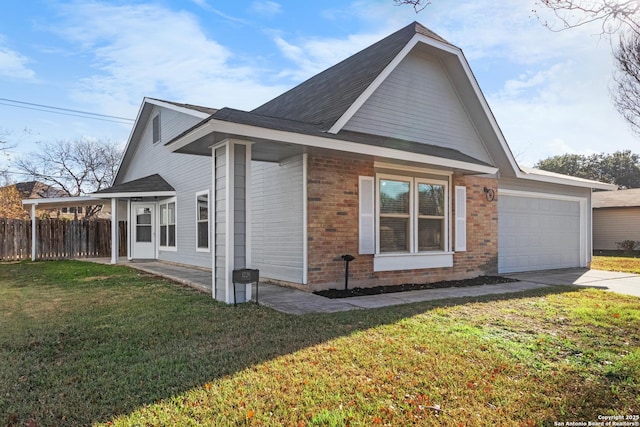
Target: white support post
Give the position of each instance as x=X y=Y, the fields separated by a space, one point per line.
x=114 y=231
x=247 y=217
x=34 y=230
x=129 y=232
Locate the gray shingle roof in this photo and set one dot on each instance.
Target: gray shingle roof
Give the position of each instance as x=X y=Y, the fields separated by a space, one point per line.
x=614 y=199
x=200 y=108
x=325 y=97
x=147 y=184
x=252 y=119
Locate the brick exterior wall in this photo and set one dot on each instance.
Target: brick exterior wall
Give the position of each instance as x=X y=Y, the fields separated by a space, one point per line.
x=332 y=197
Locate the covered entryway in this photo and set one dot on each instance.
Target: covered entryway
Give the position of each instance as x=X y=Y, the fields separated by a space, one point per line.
x=540 y=231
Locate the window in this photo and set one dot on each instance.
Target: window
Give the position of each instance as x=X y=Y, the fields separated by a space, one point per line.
x=412 y=214
x=168 y=224
x=143 y=225
x=156 y=128
x=202 y=220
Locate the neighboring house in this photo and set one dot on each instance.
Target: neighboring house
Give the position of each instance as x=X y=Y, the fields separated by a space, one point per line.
x=392 y=155
x=38 y=190
x=35 y=190
x=616 y=217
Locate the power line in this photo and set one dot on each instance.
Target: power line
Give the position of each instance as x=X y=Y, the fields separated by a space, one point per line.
x=64 y=111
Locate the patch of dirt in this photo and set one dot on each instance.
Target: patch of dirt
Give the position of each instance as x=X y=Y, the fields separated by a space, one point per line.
x=377 y=290
x=96 y=278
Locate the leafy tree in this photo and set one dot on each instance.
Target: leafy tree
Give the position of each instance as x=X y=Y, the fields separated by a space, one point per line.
x=78 y=167
x=621 y=168
x=11 y=203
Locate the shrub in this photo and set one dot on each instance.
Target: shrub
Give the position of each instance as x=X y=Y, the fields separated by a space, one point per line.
x=627 y=245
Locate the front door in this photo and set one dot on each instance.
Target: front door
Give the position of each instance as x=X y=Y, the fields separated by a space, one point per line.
x=143 y=231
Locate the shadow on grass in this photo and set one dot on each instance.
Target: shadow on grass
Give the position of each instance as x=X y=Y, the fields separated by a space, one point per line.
x=82 y=343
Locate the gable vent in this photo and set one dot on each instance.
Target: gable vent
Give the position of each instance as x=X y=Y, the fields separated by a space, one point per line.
x=156 y=128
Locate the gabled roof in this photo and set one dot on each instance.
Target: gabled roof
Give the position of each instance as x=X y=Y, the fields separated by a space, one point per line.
x=144 y=114
x=146 y=185
x=319 y=108
x=325 y=97
x=616 y=199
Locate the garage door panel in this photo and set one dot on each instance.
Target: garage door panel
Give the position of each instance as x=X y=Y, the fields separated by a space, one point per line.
x=537 y=233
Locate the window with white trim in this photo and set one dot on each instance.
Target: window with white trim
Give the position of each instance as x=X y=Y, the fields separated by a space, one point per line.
x=202 y=220
x=168 y=224
x=412 y=214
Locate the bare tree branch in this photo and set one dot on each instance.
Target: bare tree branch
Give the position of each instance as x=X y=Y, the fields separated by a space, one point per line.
x=613 y=15
x=418 y=5
x=77 y=167
x=626 y=88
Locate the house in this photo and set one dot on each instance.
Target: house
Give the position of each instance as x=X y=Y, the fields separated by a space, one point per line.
x=59 y=204
x=38 y=190
x=392 y=156
x=616 y=217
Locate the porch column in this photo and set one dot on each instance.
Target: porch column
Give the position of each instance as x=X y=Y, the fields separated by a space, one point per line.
x=114 y=231
x=231 y=176
x=34 y=231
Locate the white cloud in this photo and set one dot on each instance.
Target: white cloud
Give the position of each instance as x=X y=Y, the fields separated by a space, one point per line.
x=312 y=55
x=13 y=64
x=266 y=9
x=146 y=50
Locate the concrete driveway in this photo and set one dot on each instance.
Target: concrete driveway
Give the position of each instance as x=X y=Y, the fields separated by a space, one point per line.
x=622 y=283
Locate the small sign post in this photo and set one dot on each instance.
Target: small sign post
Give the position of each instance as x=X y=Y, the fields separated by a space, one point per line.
x=245 y=276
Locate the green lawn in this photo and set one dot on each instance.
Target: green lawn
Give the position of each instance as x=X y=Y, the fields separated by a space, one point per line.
x=617 y=262
x=84 y=344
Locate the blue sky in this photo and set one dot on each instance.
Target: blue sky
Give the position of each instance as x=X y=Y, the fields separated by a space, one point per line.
x=548 y=90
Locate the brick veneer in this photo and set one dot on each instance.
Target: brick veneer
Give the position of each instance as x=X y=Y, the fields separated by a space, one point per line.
x=332 y=192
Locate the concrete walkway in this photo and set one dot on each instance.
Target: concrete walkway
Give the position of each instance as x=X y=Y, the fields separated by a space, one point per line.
x=298 y=302
x=622 y=283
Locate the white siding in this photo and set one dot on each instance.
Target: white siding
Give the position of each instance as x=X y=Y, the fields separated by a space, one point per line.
x=417 y=102
x=220 y=218
x=277 y=219
x=611 y=225
x=188 y=174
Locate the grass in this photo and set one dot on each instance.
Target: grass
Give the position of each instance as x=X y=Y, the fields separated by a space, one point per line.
x=617 y=261
x=84 y=344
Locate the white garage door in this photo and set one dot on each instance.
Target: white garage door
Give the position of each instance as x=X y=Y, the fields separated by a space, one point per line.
x=537 y=233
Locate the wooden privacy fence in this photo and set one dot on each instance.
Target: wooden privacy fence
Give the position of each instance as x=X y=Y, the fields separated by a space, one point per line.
x=59 y=238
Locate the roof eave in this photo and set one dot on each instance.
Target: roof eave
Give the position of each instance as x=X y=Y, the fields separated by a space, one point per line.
x=250 y=131
x=127 y=194
x=568 y=180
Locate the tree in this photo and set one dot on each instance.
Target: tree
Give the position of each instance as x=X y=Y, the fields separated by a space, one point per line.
x=621 y=168
x=11 y=203
x=78 y=167
x=626 y=77
x=613 y=15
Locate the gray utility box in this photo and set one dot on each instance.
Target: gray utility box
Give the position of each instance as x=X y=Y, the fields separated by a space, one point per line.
x=245 y=276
